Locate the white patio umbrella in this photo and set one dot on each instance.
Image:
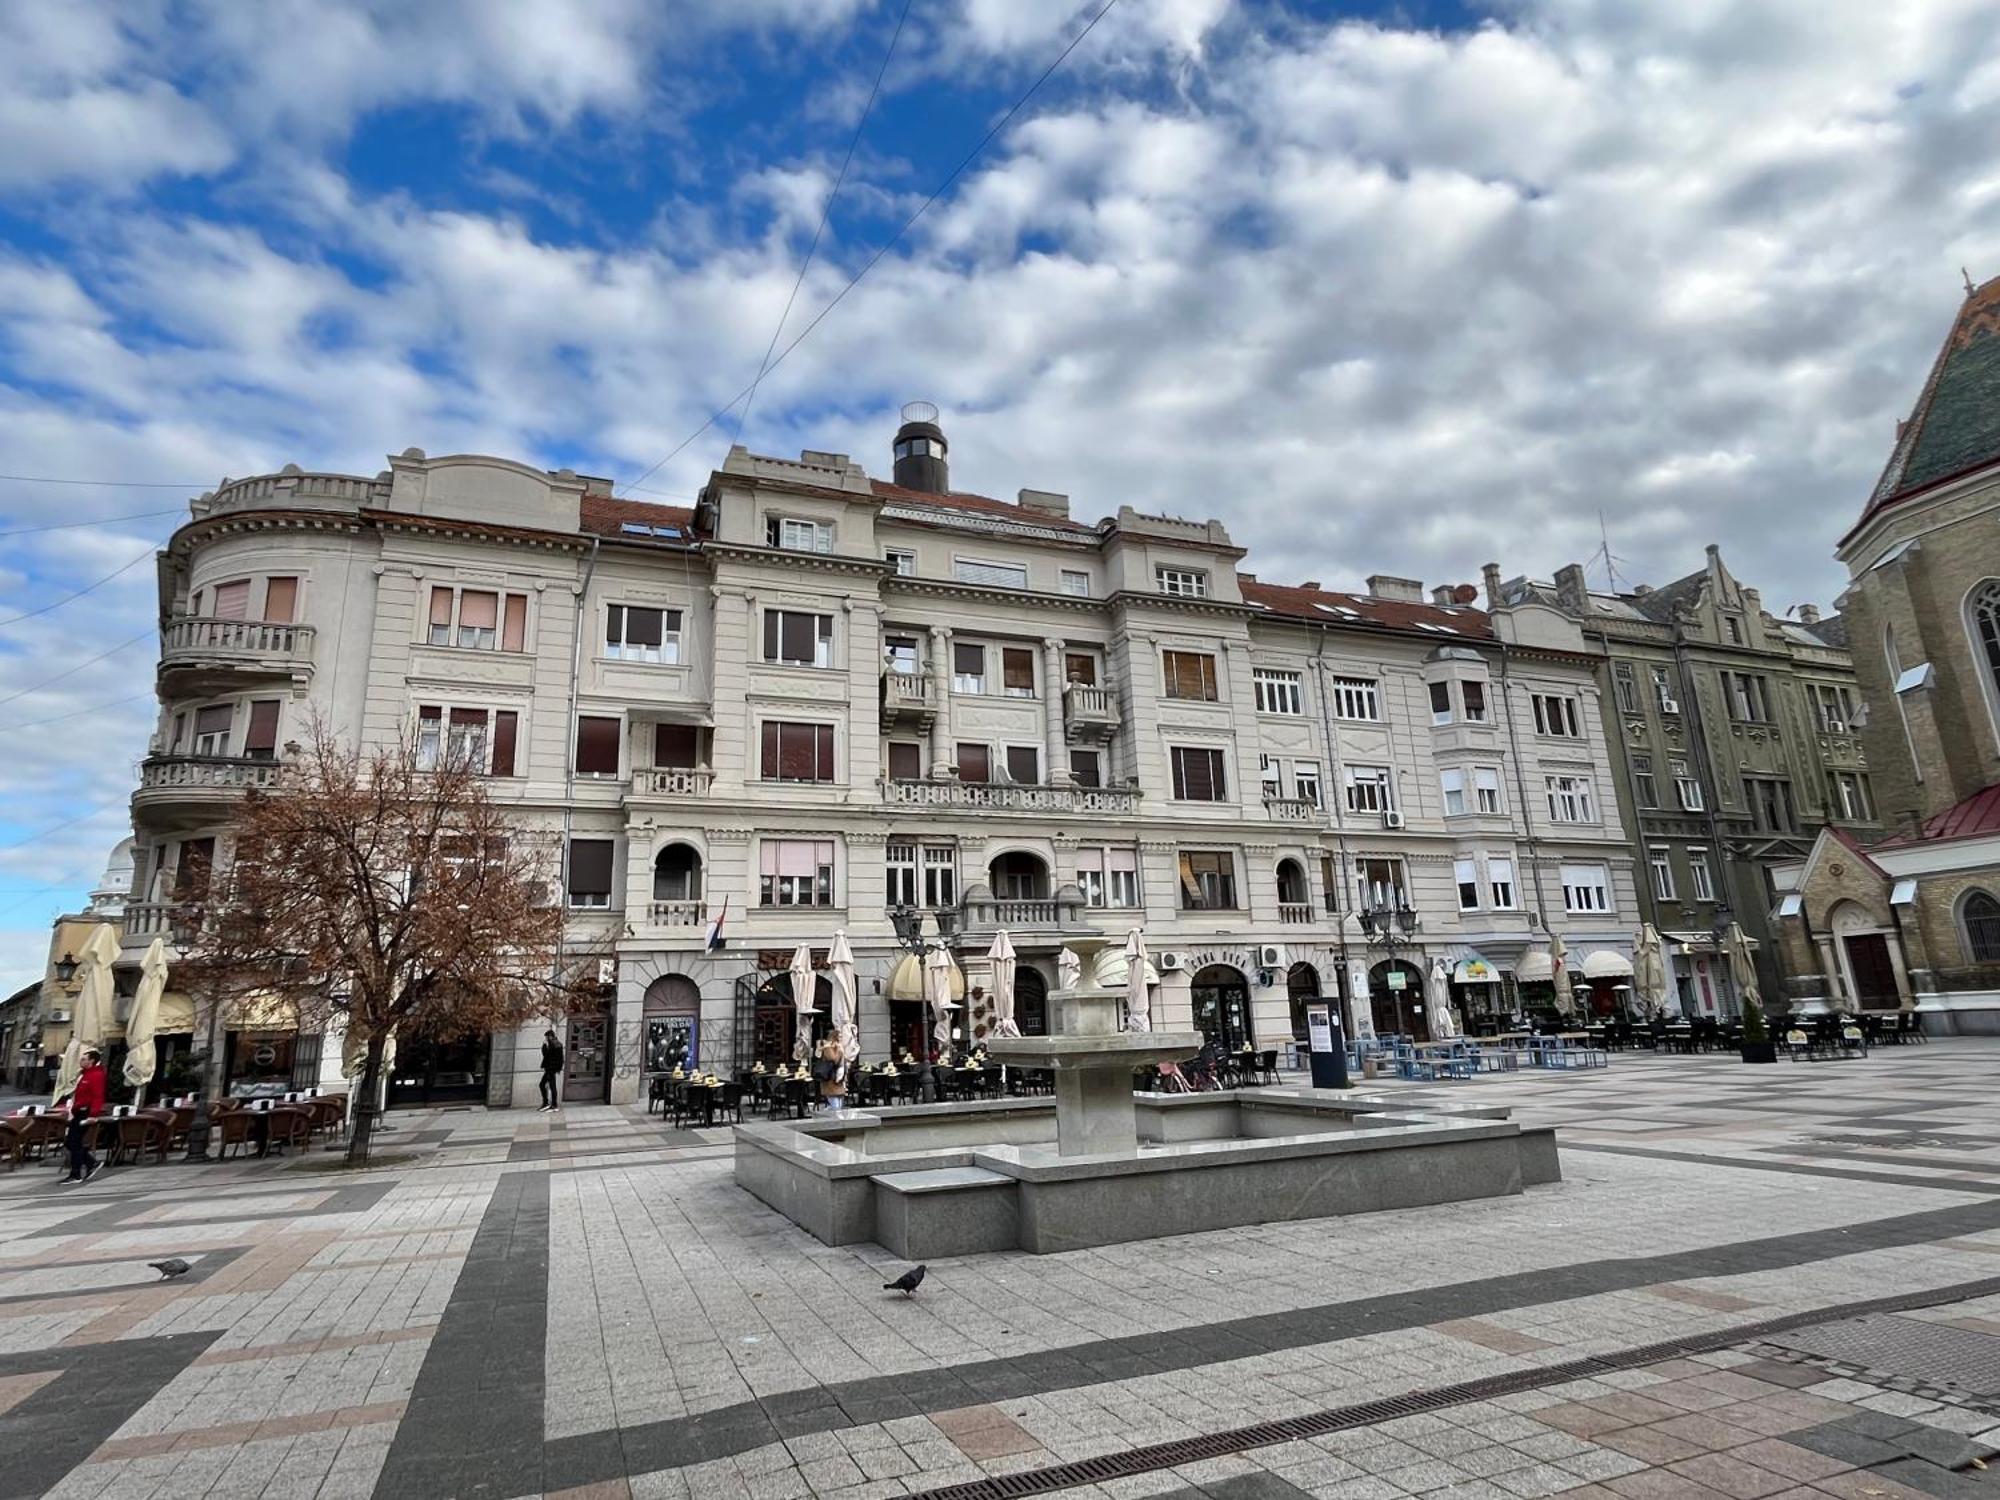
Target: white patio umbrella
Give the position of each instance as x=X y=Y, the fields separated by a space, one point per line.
x=1559 y=965
x=805 y=989
x=141 y=1056
x=91 y=1016
x=1069 y=970
x=937 y=990
x=1444 y=1025
x=1138 y=1015
x=1002 y=954
x=840 y=969
x=1737 y=944
x=1649 y=968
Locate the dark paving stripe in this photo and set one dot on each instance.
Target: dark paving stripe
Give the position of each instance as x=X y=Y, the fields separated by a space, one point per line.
x=102 y=1385
x=474 y=1422
x=111 y=1219
x=1932 y=1160
x=1792 y=1168
x=212 y=1259
x=729 y=1430
x=530 y=1150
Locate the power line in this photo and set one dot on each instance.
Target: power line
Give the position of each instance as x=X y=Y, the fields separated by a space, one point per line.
x=29 y=614
x=825 y=213
x=137 y=515
x=103 y=484
x=52 y=681
x=81 y=817
x=73 y=714
x=956 y=172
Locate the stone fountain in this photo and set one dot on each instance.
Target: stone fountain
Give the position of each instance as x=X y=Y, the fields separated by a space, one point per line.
x=1093 y=1057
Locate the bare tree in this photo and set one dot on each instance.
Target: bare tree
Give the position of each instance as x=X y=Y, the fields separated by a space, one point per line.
x=385 y=891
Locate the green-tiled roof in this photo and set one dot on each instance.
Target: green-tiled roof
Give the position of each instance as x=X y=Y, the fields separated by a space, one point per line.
x=1956 y=424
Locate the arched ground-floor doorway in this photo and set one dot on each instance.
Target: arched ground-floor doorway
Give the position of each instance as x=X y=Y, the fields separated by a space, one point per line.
x=1301 y=986
x=1222 y=1007
x=673 y=1024
x=1398 y=1008
x=1031 y=1002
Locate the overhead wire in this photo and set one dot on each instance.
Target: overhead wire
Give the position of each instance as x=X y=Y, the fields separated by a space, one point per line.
x=144 y=635
x=137 y=515
x=29 y=614
x=104 y=484
x=887 y=245
x=73 y=714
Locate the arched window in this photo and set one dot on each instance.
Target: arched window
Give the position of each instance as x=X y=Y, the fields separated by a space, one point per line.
x=1982 y=620
x=1981 y=916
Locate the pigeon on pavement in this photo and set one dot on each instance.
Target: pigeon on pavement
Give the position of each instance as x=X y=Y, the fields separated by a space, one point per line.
x=169 y=1269
x=908 y=1282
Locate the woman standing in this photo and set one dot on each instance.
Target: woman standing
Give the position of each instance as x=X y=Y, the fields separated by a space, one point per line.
x=832 y=1074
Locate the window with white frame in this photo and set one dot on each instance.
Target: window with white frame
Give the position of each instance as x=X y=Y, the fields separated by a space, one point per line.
x=968 y=667
x=477 y=619
x=1440 y=702
x=991 y=574
x=1108 y=877
x=940 y=875
x=1453 y=782
x=1664 y=692
x=903 y=561
x=1586 y=888
x=1305 y=782
x=1182 y=583
x=1486 y=788
x=899 y=655
x=1835 y=706
x=899 y=865
x=1849 y=795
x=639 y=632
x=1379 y=882
x=1278 y=692
x=481 y=738
x=1500 y=882
x=794 y=638
x=1473 y=696
x=1075 y=582
x=1356 y=698
x=1466 y=872
x=1687 y=787
x=590 y=862
x=211 y=728
x=1625 y=683
x=1556 y=715
x=1270 y=776
x=1701 y=879
x=1368 y=789
x=1570 y=800
x=794 y=535
x=795 y=872
x=1644 y=787
x=1661 y=863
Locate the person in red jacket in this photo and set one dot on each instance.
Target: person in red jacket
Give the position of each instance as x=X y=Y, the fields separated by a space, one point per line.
x=86 y=1103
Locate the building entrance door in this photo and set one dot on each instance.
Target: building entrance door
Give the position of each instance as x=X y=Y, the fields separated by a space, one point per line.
x=1222 y=1007
x=1874 y=971
x=587 y=1066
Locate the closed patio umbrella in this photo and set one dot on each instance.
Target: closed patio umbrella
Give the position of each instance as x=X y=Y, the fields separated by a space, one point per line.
x=1138 y=1015
x=1649 y=969
x=1002 y=954
x=141 y=1056
x=1069 y=970
x=840 y=969
x=1737 y=944
x=1444 y=1025
x=805 y=989
x=938 y=969
x=90 y=1017
x=1559 y=963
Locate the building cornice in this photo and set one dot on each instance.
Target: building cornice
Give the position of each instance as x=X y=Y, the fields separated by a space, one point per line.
x=810 y=562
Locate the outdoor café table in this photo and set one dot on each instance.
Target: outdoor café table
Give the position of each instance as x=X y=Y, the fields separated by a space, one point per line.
x=702 y=1096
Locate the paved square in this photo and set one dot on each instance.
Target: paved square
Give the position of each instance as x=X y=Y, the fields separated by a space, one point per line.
x=1806 y=1259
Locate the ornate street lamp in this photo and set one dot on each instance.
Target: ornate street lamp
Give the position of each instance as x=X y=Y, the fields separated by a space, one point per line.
x=66 y=967
x=1388 y=928
x=909 y=924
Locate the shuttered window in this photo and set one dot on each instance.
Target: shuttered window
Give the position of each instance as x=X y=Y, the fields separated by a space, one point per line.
x=596 y=746
x=590 y=872
x=232 y=600
x=906 y=762
x=1024 y=765
x=975 y=763
x=1190 y=675
x=260 y=739
x=674 y=747
x=798 y=752
x=506 y=729
x=1199 y=775
x=1017 y=671
x=281 y=600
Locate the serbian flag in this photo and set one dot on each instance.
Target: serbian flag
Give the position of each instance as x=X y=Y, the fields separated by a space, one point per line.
x=715 y=927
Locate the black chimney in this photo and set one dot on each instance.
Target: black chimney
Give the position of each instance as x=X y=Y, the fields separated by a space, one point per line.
x=920 y=451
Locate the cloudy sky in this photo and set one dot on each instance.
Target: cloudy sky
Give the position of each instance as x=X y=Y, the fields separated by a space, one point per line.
x=1396 y=289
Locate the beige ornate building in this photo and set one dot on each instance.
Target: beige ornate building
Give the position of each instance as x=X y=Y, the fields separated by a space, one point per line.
x=819 y=695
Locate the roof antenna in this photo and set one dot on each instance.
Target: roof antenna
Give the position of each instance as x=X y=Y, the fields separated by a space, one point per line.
x=1604 y=553
x=1969 y=288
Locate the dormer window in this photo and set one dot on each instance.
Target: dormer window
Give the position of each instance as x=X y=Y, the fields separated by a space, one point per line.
x=1181 y=583
x=794 y=535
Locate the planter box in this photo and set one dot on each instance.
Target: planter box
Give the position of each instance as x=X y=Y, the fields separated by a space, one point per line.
x=1760 y=1052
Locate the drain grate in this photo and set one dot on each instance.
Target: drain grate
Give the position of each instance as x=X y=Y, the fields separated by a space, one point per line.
x=1958 y=1358
x=1171 y=1455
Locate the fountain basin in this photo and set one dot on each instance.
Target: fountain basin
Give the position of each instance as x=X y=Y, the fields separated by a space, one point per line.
x=1095 y=1114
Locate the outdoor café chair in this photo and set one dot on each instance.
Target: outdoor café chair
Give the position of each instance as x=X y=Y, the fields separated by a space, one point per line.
x=232 y=1129
x=12 y=1135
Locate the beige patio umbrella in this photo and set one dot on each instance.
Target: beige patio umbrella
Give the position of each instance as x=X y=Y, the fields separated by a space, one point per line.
x=1444 y=1025
x=1002 y=955
x=938 y=970
x=1069 y=970
x=1737 y=945
x=1559 y=964
x=91 y=1016
x=840 y=970
x=141 y=1056
x=1138 y=1013
x=805 y=989
x=1649 y=967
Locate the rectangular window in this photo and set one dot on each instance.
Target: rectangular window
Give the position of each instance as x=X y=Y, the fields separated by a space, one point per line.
x=1749 y=697
x=899 y=655
x=1017 y=671
x=470 y=618
x=478 y=620
x=1644 y=787
x=968 y=668
x=1199 y=775
x=1467 y=874
x=797 y=752
x=1208 y=880
x=635 y=632
x=1278 y=692
x=1700 y=877
x=1379 y=882
x=506 y=732
x=211 y=728
x=675 y=747
x=797 y=536
x=1356 y=698
x=1474 y=694
x=1305 y=782
x=1080 y=667
x=1086 y=768
x=1453 y=782
x=1024 y=765
x=940 y=875
x=1770 y=803
x=1686 y=787
x=1183 y=583
x=1329 y=884
x=1270 y=775
x=465 y=739
x=232 y=600
x=514 y=623
x=906 y=761
x=795 y=638
x=795 y=872
x=1500 y=883
x=1440 y=703
x=1626 y=685
x=1556 y=715
x=1486 y=784
x=900 y=867
x=1849 y=796
x=1076 y=583
x=1570 y=800
x=590 y=872
x=1662 y=866
x=1190 y=675
x=281 y=600
x=1368 y=789
x=902 y=562
x=197 y=860
x=1586 y=888
x=430 y=736
x=596 y=746
x=1108 y=877
x=1836 y=708
x=992 y=575
x=975 y=763
x=1733 y=629
x=260 y=736
x=1664 y=693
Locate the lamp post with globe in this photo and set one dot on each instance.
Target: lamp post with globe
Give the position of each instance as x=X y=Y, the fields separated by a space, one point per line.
x=909 y=925
x=1389 y=927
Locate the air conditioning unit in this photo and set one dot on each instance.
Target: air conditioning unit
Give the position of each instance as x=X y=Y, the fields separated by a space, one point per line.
x=1392 y=819
x=1669 y=706
x=1169 y=963
x=607 y=971
x=1270 y=956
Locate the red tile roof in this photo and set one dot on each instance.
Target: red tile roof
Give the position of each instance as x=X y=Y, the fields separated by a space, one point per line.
x=1976 y=815
x=1394 y=614
x=605 y=516
x=978 y=504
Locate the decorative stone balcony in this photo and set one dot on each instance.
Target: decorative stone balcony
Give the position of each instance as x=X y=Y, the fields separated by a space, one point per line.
x=1295 y=913
x=1302 y=810
x=672 y=781
x=146 y=920
x=677 y=913
x=983 y=912
x=1006 y=797
x=200 y=652
x=1089 y=714
x=191 y=787
x=909 y=699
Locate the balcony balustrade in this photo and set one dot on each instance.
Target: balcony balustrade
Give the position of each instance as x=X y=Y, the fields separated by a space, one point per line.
x=908 y=698
x=984 y=912
x=172 y=920
x=1089 y=713
x=1008 y=797
x=194 y=646
x=672 y=781
x=677 y=913
x=206 y=773
x=1293 y=810
x=1295 y=912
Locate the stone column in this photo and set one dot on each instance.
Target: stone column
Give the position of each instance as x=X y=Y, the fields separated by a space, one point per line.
x=944 y=758
x=1057 y=771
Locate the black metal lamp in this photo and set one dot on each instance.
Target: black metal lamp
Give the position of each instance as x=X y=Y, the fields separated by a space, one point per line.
x=66 y=967
x=909 y=924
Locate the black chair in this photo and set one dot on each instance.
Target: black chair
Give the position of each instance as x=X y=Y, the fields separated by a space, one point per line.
x=1267 y=1065
x=729 y=1101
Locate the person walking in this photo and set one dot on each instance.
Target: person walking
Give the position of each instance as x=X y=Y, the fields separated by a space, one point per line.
x=831 y=1071
x=552 y=1066
x=86 y=1104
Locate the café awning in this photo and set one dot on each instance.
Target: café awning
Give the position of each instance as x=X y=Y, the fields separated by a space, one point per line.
x=1475 y=970
x=1535 y=968
x=906 y=980
x=1607 y=963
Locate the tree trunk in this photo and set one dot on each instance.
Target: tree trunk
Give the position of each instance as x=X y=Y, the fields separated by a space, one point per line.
x=364 y=1106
